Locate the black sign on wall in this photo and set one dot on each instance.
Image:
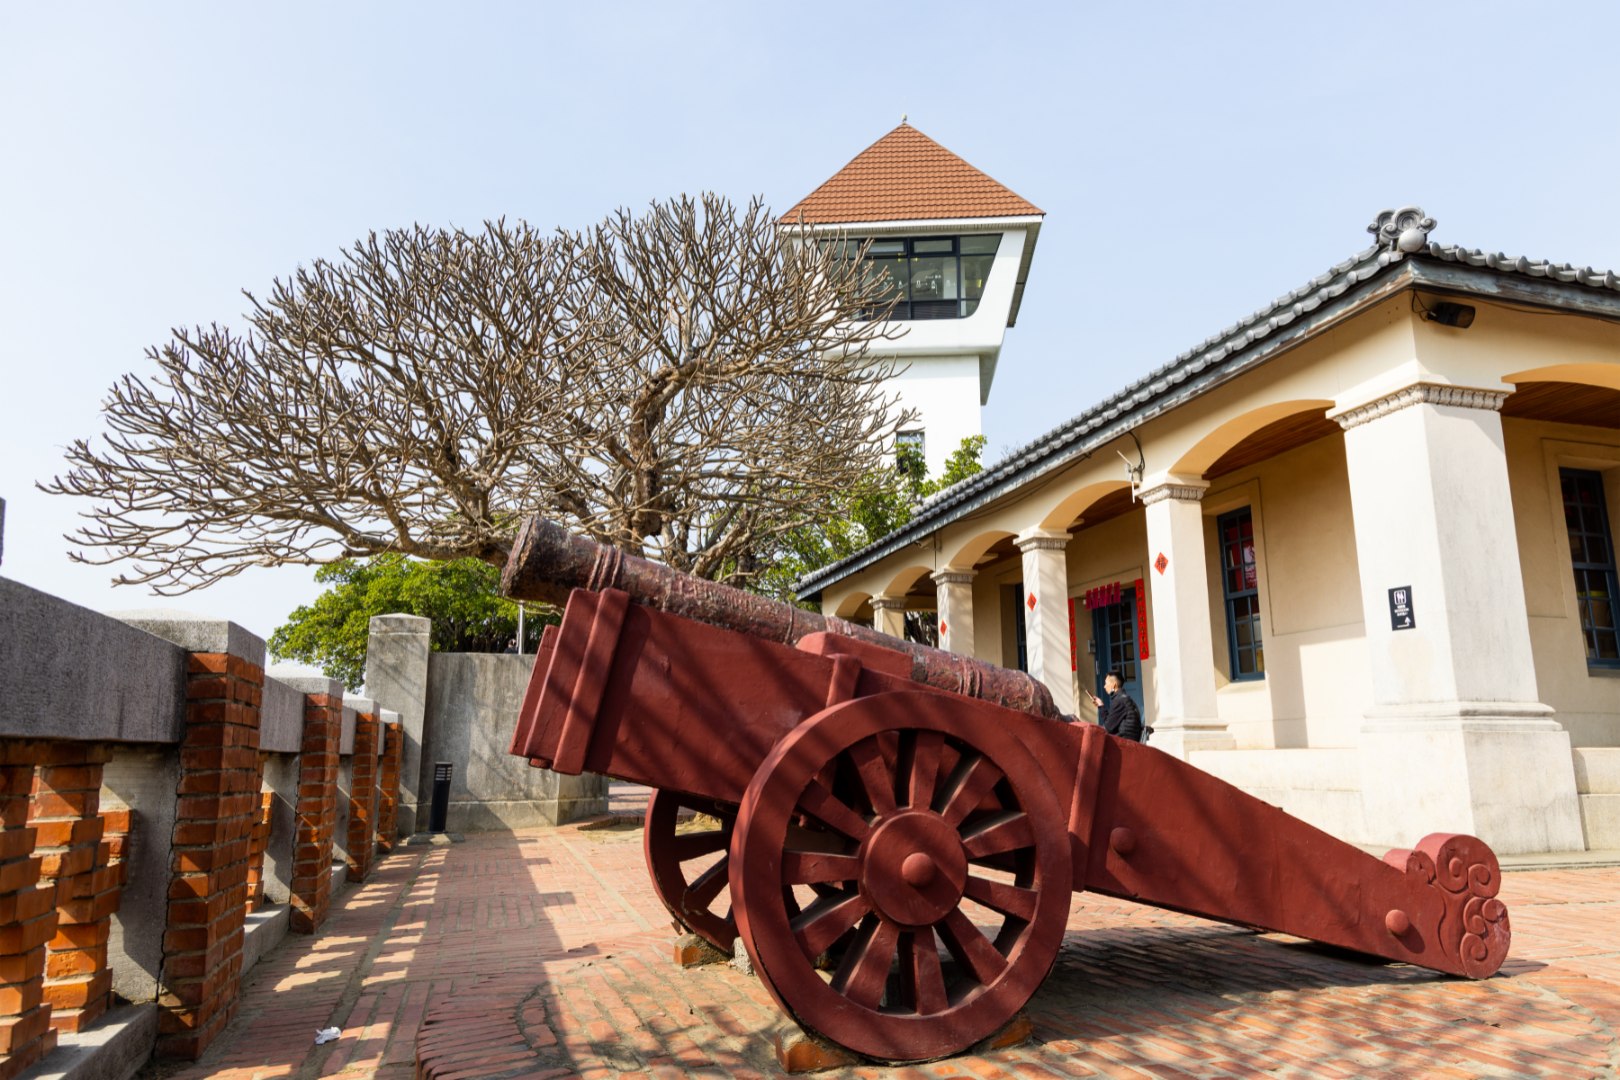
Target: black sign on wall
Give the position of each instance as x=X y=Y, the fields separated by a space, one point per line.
x=1400 y=608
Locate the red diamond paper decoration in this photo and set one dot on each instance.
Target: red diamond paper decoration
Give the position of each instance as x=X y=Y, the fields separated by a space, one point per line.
x=1032 y=601
x=942 y=627
x=1160 y=563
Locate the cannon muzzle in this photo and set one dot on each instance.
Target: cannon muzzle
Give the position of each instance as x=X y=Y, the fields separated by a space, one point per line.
x=548 y=562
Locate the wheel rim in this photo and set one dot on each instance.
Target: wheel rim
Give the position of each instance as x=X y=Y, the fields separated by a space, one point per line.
x=692 y=883
x=904 y=822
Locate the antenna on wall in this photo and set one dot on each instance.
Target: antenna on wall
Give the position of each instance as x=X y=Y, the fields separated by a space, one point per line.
x=1133 y=473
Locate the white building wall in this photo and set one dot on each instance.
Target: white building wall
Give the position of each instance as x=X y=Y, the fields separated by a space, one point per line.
x=944 y=390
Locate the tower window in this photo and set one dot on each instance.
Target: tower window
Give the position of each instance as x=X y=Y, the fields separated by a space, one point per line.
x=932 y=277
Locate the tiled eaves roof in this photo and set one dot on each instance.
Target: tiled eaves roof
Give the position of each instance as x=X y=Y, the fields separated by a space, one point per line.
x=1325 y=299
x=906 y=176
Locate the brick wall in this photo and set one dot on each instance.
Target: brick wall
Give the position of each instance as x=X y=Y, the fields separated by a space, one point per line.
x=27 y=921
x=393 y=751
x=258 y=843
x=316 y=809
x=65 y=814
x=362 y=844
x=218 y=804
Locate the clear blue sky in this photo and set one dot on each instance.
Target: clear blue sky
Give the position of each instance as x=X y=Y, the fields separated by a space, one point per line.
x=1194 y=160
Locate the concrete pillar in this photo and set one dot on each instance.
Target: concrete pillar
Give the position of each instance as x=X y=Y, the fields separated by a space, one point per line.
x=889 y=615
x=956 y=610
x=1182 y=710
x=1458 y=739
x=396 y=678
x=1046 y=612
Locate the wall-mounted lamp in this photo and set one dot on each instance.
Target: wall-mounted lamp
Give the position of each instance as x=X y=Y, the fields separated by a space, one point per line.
x=1447 y=313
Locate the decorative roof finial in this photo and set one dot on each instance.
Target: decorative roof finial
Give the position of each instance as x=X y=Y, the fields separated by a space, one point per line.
x=1405 y=230
x=903 y=117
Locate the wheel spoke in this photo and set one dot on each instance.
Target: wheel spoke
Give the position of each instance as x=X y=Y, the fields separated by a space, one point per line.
x=707 y=885
x=810 y=867
x=825 y=807
x=695 y=845
x=921 y=980
x=877 y=777
x=865 y=968
x=919 y=767
x=825 y=921
x=1007 y=899
x=1004 y=832
x=971 y=785
x=971 y=948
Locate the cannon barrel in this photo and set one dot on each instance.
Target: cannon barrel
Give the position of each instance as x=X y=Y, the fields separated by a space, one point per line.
x=548 y=561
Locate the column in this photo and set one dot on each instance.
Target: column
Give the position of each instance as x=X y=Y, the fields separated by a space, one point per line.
x=1457 y=739
x=889 y=615
x=65 y=812
x=396 y=677
x=315 y=809
x=1046 y=612
x=218 y=798
x=27 y=918
x=956 y=610
x=1182 y=710
x=388 y=782
x=361 y=840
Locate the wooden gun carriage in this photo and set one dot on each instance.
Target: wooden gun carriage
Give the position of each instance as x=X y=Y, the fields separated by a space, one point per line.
x=899 y=829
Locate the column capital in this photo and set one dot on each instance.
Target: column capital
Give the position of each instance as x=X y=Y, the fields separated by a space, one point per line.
x=953 y=576
x=888 y=603
x=1161 y=488
x=1039 y=539
x=1422 y=393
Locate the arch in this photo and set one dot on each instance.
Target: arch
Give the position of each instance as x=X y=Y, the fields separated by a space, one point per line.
x=851 y=605
x=1604 y=375
x=905 y=580
x=973 y=550
x=1075 y=504
x=1208 y=450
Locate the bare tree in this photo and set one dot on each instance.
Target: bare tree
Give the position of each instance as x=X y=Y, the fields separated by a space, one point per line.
x=688 y=383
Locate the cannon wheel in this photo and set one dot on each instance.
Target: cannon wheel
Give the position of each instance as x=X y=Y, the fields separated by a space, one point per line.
x=699 y=900
x=932 y=796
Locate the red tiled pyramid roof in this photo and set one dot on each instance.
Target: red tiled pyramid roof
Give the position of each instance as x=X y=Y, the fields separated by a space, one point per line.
x=906 y=176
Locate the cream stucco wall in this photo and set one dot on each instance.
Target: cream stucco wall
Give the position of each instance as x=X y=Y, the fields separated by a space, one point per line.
x=1316 y=691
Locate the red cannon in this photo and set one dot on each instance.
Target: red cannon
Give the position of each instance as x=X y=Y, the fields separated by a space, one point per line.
x=899 y=841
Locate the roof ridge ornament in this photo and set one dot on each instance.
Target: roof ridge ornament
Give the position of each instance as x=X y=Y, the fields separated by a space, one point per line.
x=1405 y=230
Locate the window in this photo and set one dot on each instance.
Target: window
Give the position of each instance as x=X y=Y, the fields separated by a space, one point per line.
x=936 y=277
x=913 y=441
x=1239 y=583
x=1591 y=550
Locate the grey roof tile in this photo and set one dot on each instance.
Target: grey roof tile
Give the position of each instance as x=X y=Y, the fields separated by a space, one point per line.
x=1219 y=349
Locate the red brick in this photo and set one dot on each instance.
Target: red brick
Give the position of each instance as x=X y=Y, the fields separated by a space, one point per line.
x=81 y=935
x=64 y=804
x=22 y=966
x=69 y=831
x=74 y=1020
x=76 y=993
x=68 y=963
x=87 y=909
x=66 y=863
x=62 y=778
x=19 y=874
x=17 y=1031
x=27 y=903
x=18 y=998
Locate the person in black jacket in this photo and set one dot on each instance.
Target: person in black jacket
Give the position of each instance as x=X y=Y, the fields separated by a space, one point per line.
x=1118 y=714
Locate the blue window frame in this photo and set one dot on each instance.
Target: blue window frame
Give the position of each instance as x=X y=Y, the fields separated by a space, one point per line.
x=1240 y=585
x=1591 y=550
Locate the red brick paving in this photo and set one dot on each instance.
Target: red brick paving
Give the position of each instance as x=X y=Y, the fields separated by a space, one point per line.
x=546 y=954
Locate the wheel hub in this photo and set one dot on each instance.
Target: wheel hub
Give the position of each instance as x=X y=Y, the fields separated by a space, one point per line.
x=913 y=868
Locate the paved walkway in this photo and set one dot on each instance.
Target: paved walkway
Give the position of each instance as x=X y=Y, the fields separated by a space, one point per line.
x=554 y=951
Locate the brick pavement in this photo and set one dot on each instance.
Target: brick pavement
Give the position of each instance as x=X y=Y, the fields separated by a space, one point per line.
x=546 y=954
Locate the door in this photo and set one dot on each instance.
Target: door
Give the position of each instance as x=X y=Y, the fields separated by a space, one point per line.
x=1113 y=628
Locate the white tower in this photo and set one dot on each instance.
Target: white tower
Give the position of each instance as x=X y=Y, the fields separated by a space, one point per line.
x=957 y=246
